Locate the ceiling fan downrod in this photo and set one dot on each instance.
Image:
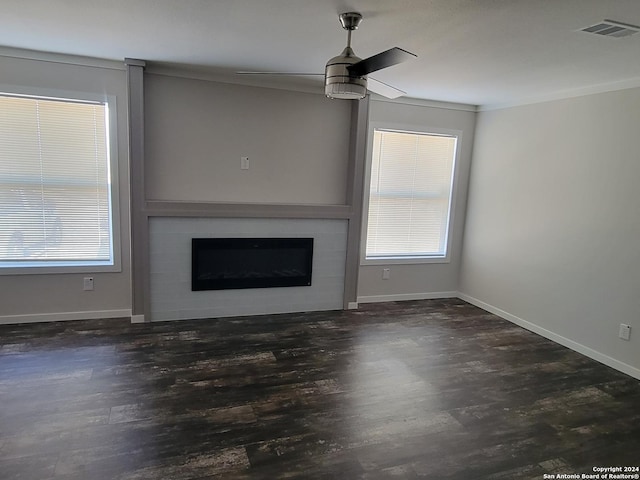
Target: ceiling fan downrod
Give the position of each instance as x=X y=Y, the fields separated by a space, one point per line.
x=350 y=22
x=339 y=82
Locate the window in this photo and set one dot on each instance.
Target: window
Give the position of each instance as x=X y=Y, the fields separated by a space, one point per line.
x=410 y=195
x=55 y=184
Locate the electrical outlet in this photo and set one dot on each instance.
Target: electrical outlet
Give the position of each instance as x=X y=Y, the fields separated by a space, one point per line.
x=87 y=283
x=244 y=163
x=386 y=273
x=625 y=331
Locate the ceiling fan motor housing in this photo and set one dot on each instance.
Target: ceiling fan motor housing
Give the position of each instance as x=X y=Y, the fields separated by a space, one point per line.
x=339 y=83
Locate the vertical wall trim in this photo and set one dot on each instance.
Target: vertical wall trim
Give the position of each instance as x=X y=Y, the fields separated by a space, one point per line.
x=139 y=219
x=355 y=191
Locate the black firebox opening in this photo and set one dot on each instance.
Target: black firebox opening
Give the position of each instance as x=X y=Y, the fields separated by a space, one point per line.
x=232 y=263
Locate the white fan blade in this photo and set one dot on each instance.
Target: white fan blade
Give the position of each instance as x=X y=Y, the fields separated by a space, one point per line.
x=293 y=74
x=381 y=88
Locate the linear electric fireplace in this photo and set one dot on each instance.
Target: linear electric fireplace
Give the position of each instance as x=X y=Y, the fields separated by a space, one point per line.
x=232 y=263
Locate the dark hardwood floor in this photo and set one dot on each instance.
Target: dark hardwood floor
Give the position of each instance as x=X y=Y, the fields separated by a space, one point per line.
x=430 y=389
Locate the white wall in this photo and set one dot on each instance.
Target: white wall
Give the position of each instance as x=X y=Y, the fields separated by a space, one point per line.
x=551 y=238
x=50 y=297
x=196 y=131
x=432 y=279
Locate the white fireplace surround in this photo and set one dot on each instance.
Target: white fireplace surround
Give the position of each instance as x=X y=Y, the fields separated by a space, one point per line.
x=171 y=297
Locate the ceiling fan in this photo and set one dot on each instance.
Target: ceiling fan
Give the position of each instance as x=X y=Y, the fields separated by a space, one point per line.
x=345 y=76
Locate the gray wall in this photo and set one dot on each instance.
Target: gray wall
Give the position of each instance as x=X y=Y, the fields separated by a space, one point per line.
x=428 y=279
x=197 y=130
x=551 y=238
x=32 y=297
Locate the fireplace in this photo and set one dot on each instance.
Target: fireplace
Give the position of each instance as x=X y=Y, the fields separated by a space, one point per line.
x=234 y=263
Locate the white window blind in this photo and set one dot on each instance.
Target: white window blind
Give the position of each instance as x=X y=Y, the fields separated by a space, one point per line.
x=410 y=194
x=55 y=192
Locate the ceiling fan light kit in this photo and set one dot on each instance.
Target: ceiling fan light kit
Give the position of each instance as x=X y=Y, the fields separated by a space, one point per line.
x=345 y=90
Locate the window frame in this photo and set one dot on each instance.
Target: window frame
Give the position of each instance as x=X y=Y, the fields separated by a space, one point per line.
x=112 y=146
x=420 y=130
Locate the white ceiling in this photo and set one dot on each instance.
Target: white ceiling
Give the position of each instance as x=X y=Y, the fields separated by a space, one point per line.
x=480 y=52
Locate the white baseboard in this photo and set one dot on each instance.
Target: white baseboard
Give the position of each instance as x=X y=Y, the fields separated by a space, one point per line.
x=399 y=297
x=578 y=347
x=137 y=319
x=352 y=306
x=63 y=316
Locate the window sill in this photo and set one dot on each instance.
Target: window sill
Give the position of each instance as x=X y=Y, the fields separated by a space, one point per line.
x=60 y=269
x=403 y=260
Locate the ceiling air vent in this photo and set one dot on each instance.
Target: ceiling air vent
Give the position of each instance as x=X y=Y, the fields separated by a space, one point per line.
x=610 y=28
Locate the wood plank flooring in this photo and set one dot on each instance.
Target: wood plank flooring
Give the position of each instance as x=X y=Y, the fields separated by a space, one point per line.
x=410 y=390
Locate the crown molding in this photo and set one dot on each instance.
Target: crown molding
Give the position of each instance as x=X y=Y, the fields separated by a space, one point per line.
x=52 y=57
x=565 y=94
x=419 y=102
